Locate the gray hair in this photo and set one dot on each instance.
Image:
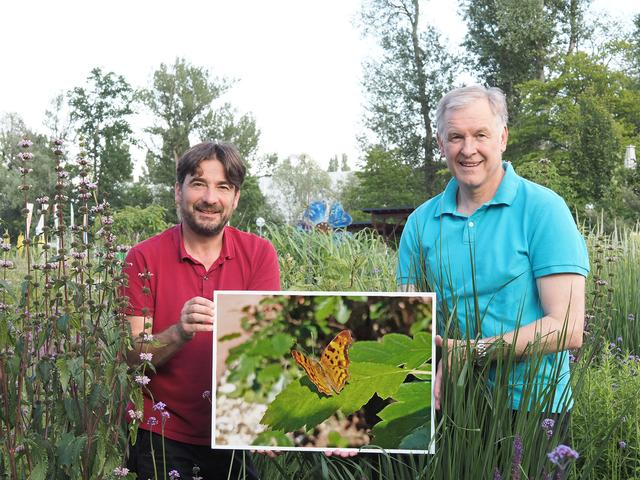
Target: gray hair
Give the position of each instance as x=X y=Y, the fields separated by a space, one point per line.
x=463 y=96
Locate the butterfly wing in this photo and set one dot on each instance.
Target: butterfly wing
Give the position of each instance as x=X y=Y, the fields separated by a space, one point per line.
x=314 y=371
x=335 y=360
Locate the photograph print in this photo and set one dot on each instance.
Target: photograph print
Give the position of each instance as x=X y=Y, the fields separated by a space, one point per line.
x=319 y=371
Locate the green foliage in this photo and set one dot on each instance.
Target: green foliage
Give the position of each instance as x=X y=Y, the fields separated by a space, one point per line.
x=100 y=112
x=181 y=100
x=63 y=346
x=377 y=368
x=134 y=224
x=580 y=122
x=334 y=261
x=607 y=412
x=384 y=181
x=41 y=180
x=510 y=40
x=403 y=85
x=252 y=205
x=301 y=181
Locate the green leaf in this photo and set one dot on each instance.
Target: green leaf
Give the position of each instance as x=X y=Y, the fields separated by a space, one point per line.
x=325 y=307
x=405 y=417
x=6 y=286
x=63 y=371
x=300 y=404
x=69 y=448
x=39 y=472
x=63 y=323
x=343 y=314
x=230 y=336
x=395 y=349
x=269 y=374
x=273 y=438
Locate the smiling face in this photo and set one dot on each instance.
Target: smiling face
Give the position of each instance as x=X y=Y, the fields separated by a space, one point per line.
x=206 y=199
x=473 y=144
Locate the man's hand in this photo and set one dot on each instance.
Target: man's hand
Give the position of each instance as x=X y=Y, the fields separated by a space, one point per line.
x=197 y=315
x=452 y=345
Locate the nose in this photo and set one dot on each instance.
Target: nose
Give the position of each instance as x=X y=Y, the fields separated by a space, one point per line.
x=469 y=146
x=210 y=196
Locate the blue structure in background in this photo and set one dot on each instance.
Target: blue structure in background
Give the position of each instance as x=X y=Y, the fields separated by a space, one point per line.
x=324 y=217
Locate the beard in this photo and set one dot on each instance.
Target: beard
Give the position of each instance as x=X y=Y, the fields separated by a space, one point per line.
x=205 y=229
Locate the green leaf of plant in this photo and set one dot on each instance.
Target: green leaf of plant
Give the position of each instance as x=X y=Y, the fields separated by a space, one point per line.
x=228 y=337
x=273 y=438
x=404 y=417
x=325 y=307
x=39 y=472
x=69 y=448
x=395 y=349
x=300 y=404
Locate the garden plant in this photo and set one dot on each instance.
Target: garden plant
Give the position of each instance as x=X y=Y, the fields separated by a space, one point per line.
x=65 y=387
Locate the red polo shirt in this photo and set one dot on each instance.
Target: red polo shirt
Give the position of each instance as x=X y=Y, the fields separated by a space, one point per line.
x=246 y=262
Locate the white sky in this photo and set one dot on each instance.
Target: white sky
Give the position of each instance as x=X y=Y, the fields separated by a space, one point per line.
x=298 y=62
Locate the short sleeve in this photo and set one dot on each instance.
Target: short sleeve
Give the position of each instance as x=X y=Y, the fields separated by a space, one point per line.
x=409 y=258
x=138 y=288
x=555 y=244
x=266 y=274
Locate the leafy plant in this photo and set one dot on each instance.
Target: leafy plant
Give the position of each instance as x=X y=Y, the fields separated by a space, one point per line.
x=377 y=368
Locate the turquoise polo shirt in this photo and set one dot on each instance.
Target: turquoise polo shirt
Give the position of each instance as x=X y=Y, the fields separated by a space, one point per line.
x=495 y=255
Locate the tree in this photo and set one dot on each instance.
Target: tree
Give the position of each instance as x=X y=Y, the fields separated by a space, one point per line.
x=580 y=121
x=181 y=99
x=300 y=181
x=333 y=164
x=100 y=114
x=514 y=41
x=384 y=181
x=42 y=179
x=404 y=84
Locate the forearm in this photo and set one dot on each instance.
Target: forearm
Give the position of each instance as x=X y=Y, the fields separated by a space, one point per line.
x=546 y=335
x=163 y=346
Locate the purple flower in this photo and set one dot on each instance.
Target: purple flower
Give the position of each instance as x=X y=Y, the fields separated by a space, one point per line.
x=159 y=407
x=120 y=472
x=26 y=156
x=25 y=143
x=496 y=474
x=142 y=379
x=562 y=455
x=146 y=356
x=152 y=421
x=165 y=415
x=547 y=425
x=6 y=264
x=173 y=474
x=6 y=247
x=622 y=444
x=206 y=394
x=517 y=457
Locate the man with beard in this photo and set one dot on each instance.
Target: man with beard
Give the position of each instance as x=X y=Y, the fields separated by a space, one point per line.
x=172 y=277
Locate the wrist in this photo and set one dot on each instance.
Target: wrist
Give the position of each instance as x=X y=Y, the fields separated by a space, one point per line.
x=183 y=335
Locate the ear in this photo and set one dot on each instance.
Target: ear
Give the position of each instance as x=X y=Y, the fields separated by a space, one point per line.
x=178 y=192
x=236 y=199
x=504 y=136
x=440 y=144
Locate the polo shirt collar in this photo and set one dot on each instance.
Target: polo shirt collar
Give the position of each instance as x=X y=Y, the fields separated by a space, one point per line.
x=505 y=195
x=228 y=245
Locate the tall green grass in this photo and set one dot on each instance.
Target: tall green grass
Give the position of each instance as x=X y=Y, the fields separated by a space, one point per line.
x=477 y=435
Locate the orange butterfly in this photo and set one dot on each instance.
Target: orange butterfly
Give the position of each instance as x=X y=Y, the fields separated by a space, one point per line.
x=330 y=374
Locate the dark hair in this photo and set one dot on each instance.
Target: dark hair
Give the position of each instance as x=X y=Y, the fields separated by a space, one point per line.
x=226 y=153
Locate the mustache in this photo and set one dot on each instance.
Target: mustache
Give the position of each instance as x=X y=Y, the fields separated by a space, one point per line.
x=206 y=208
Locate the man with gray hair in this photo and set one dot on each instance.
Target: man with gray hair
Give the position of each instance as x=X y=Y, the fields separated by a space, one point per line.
x=495 y=238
